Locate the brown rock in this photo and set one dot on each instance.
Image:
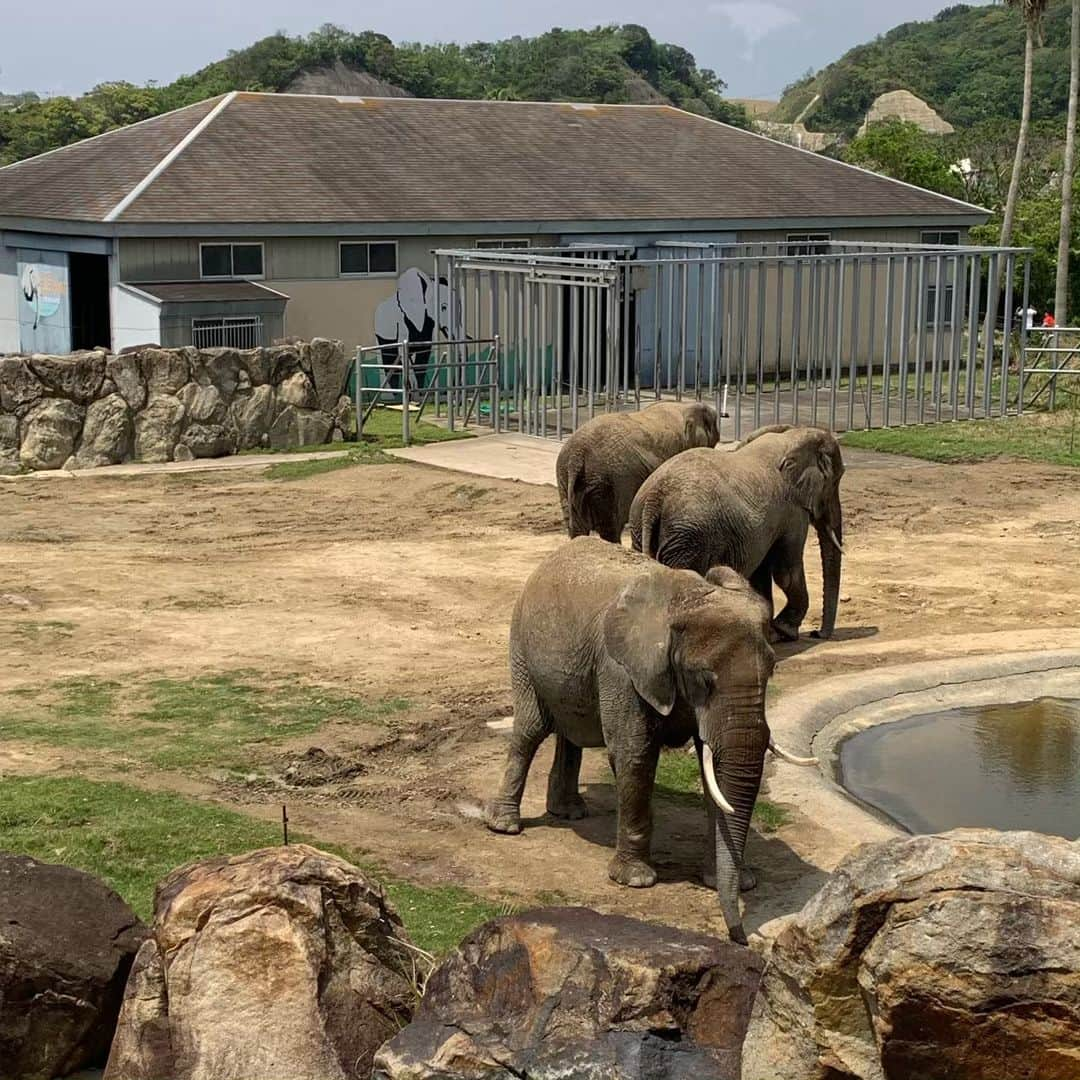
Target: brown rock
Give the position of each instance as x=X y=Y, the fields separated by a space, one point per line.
x=164 y=371
x=929 y=958
x=49 y=433
x=124 y=372
x=300 y=427
x=207 y=441
x=284 y=962
x=219 y=368
x=250 y=417
x=258 y=363
x=106 y=434
x=20 y=388
x=78 y=376
x=567 y=992
x=329 y=370
x=157 y=428
x=66 y=945
x=297 y=390
x=9 y=431
x=203 y=404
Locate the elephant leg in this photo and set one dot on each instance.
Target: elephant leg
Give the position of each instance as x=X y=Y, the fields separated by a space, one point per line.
x=563 y=798
x=611 y=529
x=787 y=564
x=635 y=774
x=532 y=725
x=761 y=582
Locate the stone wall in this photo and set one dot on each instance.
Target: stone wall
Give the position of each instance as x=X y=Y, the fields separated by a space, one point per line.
x=150 y=404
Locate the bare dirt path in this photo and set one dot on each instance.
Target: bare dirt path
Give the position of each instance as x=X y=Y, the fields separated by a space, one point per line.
x=398 y=580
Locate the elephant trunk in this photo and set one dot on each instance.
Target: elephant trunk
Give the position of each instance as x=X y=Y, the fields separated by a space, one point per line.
x=740 y=752
x=830 y=532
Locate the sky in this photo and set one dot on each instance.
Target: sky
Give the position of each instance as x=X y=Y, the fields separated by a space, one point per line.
x=756 y=46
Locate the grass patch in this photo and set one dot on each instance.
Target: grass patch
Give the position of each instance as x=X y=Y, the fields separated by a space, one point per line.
x=1043 y=437
x=302 y=470
x=220 y=720
x=35 y=631
x=132 y=839
x=677 y=779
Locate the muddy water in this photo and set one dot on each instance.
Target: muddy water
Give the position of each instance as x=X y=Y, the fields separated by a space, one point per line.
x=999 y=766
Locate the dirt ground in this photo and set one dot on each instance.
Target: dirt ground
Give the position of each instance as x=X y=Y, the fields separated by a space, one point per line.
x=398 y=581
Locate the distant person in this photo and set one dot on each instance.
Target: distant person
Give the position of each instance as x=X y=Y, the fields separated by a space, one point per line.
x=1028 y=315
x=1048 y=321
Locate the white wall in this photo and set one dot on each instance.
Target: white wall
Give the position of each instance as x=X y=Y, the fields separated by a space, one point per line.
x=136 y=319
x=9 y=308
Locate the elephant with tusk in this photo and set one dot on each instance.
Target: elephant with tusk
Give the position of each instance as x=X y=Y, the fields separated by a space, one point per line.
x=418 y=306
x=609 y=648
x=750 y=509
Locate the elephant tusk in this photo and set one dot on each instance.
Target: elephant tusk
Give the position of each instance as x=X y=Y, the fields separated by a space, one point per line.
x=831 y=533
x=792 y=759
x=711 y=785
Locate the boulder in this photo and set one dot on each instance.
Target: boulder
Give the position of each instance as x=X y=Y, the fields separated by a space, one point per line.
x=300 y=427
x=9 y=463
x=345 y=416
x=329 y=369
x=157 y=428
x=106 y=434
x=929 y=958
x=164 y=371
x=259 y=365
x=217 y=367
x=203 y=404
x=49 y=433
x=78 y=376
x=67 y=943
x=284 y=361
x=207 y=441
x=284 y=962
x=125 y=373
x=567 y=992
x=297 y=390
x=20 y=388
x=250 y=417
x=9 y=432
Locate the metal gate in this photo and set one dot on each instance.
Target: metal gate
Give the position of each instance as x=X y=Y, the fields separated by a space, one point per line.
x=846 y=335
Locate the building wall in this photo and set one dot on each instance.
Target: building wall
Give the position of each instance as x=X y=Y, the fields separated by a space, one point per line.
x=9 y=301
x=136 y=320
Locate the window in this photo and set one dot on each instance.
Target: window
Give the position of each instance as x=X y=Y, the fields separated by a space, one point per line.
x=950 y=238
x=502 y=245
x=931 y=306
x=231 y=260
x=367 y=258
x=241 y=332
x=809 y=243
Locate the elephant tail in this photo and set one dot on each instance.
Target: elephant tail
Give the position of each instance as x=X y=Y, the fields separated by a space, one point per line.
x=650 y=525
x=577 y=516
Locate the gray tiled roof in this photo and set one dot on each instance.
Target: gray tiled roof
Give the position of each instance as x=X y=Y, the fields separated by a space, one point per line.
x=285 y=158
x=195 y=291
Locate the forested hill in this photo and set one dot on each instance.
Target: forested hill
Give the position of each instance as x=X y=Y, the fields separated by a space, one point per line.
x=967 y=63
x=612 y=64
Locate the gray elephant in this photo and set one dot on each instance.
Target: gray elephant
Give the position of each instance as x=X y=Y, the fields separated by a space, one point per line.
x=750 y=510
x=412 y=314
x=608 y=648
x=602 y=465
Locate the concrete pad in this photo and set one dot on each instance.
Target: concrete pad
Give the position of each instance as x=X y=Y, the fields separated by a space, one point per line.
x=506 y=457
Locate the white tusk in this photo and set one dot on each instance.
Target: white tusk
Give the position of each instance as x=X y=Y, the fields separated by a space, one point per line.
x=711 y=785
x=830 y=532
x=792 y=759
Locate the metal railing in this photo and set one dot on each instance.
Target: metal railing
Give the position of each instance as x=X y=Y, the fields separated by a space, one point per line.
x=444 y=376
x=1049 y=353
x=847 y=334
x=241 y=332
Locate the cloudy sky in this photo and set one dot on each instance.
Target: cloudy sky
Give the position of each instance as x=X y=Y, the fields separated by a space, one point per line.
x=757 y=46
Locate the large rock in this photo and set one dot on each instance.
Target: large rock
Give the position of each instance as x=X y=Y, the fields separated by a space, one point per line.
x=20 y=388
x=566 y=992
x=66 y=945
x=78 y=376
x=9 y=432
x=300 y=427
x=297 y=390
x=125 y=373
x=164 y=371
x=284 y=962
x=207 y=441
x=49 y=433
x=284 y=361
x=929 y=958
x=329 y=369
x=250 y=417
x=217 y=367
x=106 y=434
x=259 y=365
x=203 y=404
x=157 y=428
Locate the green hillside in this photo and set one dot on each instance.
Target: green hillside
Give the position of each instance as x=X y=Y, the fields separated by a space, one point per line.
x=611 y=64
x=967 y=63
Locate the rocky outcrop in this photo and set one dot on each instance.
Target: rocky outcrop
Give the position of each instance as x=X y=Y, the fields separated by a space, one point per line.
x=284 y=962
x=906 y=106
x=153 y=404
x=937 y=957
x=66 y=945
x=567 y=992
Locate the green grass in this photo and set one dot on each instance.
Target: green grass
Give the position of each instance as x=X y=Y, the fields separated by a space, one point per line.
x=132 y=839
x=1038 y=437
x=677 y=778
x=220 y=720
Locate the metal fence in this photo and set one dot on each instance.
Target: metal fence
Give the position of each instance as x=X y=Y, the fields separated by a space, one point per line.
x=848 y=335
x=241 y=332
x=1050 y=354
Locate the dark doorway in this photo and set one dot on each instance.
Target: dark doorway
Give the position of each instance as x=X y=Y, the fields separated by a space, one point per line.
x=575 y=300
x=89 y=281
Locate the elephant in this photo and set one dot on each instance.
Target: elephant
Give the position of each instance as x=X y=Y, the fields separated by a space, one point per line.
x=410 y=315
x=603 y=463
x=750 y=509
x=609 y=648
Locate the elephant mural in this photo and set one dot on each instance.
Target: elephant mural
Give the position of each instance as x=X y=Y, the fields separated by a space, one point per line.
x=411 y=315
x=608 y=648
x=602 y=465
x=750 y=509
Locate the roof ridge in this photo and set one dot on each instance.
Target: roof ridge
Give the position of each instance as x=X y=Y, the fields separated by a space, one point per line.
x=412 y=98
x=169 y=158
x=103 y=134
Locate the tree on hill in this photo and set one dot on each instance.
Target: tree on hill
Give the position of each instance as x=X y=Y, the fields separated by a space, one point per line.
x=1068 y=173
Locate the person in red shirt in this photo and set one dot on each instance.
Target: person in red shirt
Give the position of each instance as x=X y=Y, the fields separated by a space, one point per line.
x=1048 y=321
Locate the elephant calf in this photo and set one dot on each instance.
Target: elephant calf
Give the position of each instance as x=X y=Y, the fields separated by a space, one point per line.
x=608 y=648
x=605 y=461
x=750 y=510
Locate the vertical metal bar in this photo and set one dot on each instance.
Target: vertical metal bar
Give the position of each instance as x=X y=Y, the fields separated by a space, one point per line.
x=759 y=361
x=905 y=343
x=656 y=328
x=941 y=286
x=740 y=382
x=699 y=324
x=557 y=360
x=624 y=286
x=406 y=373
x=871 y=345
x=590 y=346
x=715 y=316
x=920 y=341
x=992 y=294
x=1006 y=338
x=887 y=345
x=541 y=319
x=958 y=275
x=853 y=352
x=815 y=339
x=778 y=365
x=357 y=393
x=796 y=336
x=838 y=341
x=575 y=352
x=1024 y=345
x=973 y=323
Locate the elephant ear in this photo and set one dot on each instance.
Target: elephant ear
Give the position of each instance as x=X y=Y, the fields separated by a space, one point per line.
x=637 y=635
x=701 y=428
x=412 y=296
x=808 y=469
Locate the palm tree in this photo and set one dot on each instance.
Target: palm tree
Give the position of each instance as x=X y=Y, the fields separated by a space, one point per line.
x=1061 y=292
x=1032 y=12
